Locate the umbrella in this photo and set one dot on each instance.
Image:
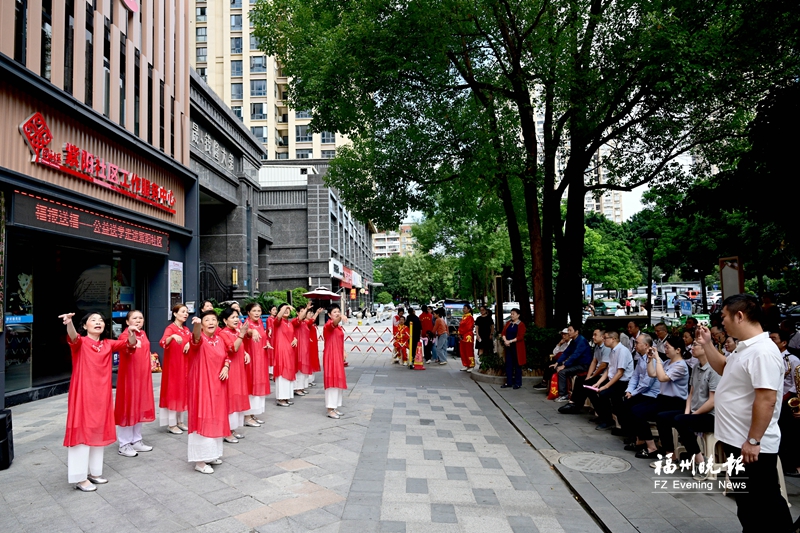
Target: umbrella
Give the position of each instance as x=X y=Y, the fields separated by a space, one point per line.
x=321 y=293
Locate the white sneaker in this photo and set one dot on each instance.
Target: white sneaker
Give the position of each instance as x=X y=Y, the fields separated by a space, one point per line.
x=470 y=369
x=140 y=446
x=127 y=451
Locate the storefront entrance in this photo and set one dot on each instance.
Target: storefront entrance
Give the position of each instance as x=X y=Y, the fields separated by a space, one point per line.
x=48 y=275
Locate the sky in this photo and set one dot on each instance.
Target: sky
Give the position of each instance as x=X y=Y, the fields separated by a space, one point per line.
x=632 y=202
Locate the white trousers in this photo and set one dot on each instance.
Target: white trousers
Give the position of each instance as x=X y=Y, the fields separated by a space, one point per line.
x=311 y=378
x=170 y=418
x=129 y=434
x=333 y=397
x=300 y=381
x=256 y=405
x=236 y=420
x=284 y=389
x=204 y=448
x=83 y=460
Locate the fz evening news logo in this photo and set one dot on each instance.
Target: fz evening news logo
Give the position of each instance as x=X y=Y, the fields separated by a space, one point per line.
x=707 y=481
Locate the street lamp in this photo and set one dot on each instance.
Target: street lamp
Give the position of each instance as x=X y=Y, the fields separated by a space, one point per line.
x=650 y=240
x=663 y=295
x=509 y=281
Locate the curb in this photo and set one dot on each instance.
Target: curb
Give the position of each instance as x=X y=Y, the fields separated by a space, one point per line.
x=499 y=380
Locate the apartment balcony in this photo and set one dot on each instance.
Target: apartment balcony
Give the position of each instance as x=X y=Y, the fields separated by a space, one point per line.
x=282 y=119
x=282 y=141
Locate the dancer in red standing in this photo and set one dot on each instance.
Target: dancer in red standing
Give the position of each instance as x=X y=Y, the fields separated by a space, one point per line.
x=270 y=343
x=302 y=324
x=134 y=403
x=173 y=399
x=466 y=334
x=90 y=415
x=285 y=356
x=232 y=335
x=334 y=376
x=255 y=344
x=208 y=394
x=314 y=347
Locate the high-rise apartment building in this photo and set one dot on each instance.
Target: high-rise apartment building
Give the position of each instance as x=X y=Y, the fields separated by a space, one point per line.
x=396 y=242
x=609 y=203
x=226 y=55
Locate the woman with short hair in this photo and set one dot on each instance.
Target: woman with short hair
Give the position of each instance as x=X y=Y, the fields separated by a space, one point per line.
x=173 y=398
x=335 y=380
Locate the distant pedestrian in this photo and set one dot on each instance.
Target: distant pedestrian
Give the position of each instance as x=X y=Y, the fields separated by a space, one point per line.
x=440 y=334
x=484 y=335
x=90 y=413
x=334 y=376
x=134 y=401
x=514 y=341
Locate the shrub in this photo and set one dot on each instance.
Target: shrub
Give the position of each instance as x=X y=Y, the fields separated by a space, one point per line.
x=539 y=343
x=383 y=298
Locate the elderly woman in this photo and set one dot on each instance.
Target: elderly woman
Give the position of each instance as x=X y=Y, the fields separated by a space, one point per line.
x=514 y=341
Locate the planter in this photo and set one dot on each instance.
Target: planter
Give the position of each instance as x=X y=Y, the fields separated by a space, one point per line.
x=528 y=376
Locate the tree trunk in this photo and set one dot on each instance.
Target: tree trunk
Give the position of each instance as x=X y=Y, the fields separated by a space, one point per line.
x=517 y=253
x=570 y=253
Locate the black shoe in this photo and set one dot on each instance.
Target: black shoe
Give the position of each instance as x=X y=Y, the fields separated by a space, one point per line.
x=604 y=425
x=594 y=419
x=644 y=454
x=569 y=409
x=516 y=387
x=633 y=447
x=618 y=432
x=540 y=386
x=792 y=474
x=506 y=386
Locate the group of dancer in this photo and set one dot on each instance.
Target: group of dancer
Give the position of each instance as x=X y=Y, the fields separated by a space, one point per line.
x=216 y=378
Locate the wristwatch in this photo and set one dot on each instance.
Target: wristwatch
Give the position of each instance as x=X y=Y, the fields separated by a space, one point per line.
x=753 y=442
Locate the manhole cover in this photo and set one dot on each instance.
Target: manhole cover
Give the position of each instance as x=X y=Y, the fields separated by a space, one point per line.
x=594 y=463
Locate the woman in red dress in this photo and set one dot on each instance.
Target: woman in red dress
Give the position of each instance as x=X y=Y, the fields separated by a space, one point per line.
x=303 y=325
x=270 y=343
x=285 y=358
x=314 y=347
x=238 y=394
x=255 y=344
x=401 y=340
x=334 y=377
x=90 y=415
x=173 y=399
x=135 y=404
x=466 y=334
x=208 y=394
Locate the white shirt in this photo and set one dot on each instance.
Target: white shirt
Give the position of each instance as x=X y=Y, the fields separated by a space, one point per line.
x=756 y=363
x=790 y=364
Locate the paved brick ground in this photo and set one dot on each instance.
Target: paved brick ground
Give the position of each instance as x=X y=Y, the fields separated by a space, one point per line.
x=416 y=451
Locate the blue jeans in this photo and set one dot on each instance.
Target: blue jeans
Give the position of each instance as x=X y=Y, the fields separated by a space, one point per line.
x=440 y=348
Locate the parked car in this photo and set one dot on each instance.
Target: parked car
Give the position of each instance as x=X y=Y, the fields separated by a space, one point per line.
x=607 y=308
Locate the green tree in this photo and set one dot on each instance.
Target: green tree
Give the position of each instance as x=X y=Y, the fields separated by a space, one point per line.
x=389 y=271
x=443 y=96
x=383 y=298
x=608 y=262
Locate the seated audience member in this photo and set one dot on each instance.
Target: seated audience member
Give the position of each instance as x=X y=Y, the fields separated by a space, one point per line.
x=730 y=345
x=594 y=375
x=608 y=397
x=674 y=378
x=794 y=338
x=718 y=337
x=562 y=345
x=691 y=323
x=688 y=346
x=574 y=360
x=661 y=340
x=642 y=390
x=789 y=422
x=696 y=417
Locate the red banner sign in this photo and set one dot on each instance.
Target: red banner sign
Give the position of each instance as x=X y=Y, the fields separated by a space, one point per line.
x=84 y=165
x=352 y=294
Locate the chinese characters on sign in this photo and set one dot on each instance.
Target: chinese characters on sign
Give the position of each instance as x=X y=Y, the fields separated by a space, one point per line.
x=87 y=166
x=43 y=213
x=203 y=140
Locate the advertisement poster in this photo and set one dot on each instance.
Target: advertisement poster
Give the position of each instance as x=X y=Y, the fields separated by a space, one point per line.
x=175 y=285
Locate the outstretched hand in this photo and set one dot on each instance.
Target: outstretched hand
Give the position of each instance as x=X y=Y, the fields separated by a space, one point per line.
x=703 y=336
x=196 y=320
x=66 y=318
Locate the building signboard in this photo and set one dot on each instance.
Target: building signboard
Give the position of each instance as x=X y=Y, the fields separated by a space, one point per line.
x=211 y=147
x=46 y=214
x=335 y=269
x=82 y=164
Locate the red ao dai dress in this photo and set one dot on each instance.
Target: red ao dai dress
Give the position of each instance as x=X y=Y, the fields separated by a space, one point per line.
x=208 y=399
x=335 y=379
x=301 y=328
x=173 y=400
x=313 y=349
x=257 y=370
x=90 y=413
x=270 y=335
x=135 y=403
x=238 y=392
x=285 y=369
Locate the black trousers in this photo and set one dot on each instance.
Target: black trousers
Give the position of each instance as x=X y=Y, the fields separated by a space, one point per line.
x=579 y=395
x=642 y=414
x=625 y=414
x=608 y=401
x=761 y=498
x=687 y=426
x=513 y=370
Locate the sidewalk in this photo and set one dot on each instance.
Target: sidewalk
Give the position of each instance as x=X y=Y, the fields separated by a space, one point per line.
x=623 y=502
x=417 y=451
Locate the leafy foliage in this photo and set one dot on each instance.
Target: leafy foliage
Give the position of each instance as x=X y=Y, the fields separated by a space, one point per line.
x=383 y=298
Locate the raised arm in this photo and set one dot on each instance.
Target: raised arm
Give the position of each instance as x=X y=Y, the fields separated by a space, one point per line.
x=715 y=358
x=67 y=320
x=196 y=329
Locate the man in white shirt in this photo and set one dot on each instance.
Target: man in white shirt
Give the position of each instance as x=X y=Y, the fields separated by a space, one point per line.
x=747 y=411
x=633 y=334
